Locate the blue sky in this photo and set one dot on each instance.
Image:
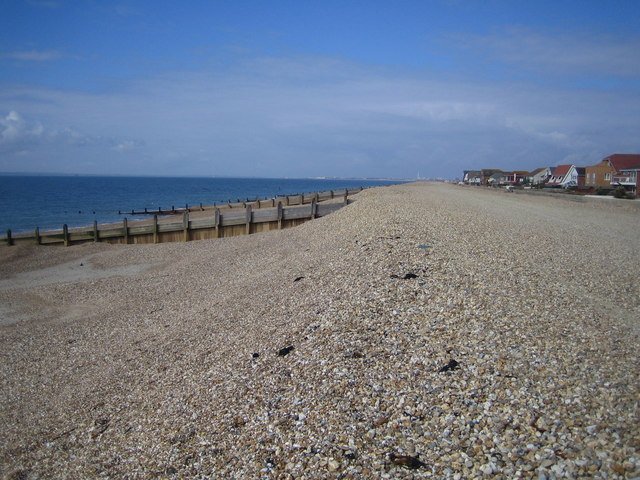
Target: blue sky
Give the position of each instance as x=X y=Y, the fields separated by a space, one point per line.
x=331 y=88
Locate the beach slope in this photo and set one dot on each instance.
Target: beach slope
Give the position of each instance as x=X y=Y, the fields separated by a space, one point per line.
x=425 y=329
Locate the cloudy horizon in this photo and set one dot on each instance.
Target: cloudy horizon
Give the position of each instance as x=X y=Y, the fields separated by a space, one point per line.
x=429 y=88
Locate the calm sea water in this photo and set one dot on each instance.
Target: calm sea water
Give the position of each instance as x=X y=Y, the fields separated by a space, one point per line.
x=49 y=202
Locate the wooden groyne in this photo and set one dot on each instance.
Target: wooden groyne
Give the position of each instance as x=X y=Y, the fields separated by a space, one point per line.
x=198 y=223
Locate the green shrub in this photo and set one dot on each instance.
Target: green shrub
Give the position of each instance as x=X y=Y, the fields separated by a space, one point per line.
x=620 y=192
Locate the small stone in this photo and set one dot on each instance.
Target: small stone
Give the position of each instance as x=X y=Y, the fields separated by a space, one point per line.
x=619 y=469
x=333 y=465
x=487 y=469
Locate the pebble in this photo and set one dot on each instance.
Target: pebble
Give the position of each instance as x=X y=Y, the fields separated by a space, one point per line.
x=514 y=288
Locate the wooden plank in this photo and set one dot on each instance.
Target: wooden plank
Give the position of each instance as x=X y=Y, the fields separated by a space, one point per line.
x=85 y=236
x=295 y=213
x=141 y=230
x=202 y=223
x=263 y=216
x=326 y=209
x=170 y=227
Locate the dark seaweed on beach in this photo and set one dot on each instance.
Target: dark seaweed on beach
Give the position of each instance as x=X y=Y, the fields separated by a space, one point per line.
x=452 y=365
x=406 y=461
x=406 y=276
x=285 y=351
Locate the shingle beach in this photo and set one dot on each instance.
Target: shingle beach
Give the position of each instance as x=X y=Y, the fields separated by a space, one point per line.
x=437 y=331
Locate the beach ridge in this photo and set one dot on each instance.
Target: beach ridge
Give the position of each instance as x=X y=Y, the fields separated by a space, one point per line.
x=425 y=329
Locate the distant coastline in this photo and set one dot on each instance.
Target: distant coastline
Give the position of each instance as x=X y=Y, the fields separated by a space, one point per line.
x=113 y=175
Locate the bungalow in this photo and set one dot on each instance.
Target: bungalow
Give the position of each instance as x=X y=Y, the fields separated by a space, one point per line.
x=514 y=178
x=539 y=176
x=566 y=176
x=601 y=174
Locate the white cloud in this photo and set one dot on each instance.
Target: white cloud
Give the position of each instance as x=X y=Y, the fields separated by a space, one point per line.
x=34 y=55
x=13 y=128
x=127 y=145
x=316 y=116
x=568 y=53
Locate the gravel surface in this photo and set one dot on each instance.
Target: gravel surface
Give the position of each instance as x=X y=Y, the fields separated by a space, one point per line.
x=424 y=331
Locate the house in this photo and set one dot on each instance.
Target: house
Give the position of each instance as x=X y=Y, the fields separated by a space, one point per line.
x=472 y=177
x=629 y=178
x=601 y=174
x=566 y=176
x=539 y=176
x=496 y=179
x=520 y=177
x=512 y=178
x=486 y=174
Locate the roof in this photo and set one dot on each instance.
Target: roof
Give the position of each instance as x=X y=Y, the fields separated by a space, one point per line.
x=538 y=170
x=561 y=170
x=621 y=161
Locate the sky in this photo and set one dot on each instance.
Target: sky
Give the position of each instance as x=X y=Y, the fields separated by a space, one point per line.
x=393 y=89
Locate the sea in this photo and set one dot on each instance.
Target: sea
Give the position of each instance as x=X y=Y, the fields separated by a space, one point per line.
x=48 y=202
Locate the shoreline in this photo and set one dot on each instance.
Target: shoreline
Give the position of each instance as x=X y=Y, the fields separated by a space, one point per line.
x=174 y=370
x=92 y=201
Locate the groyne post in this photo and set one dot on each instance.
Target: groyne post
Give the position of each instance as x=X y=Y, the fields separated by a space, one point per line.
x=95 y=231
x=248 y=219
x=155 y=229
x=125 y=230
x=9 y=239
x=36 y=234
x=65 y=235
x=216 y=222
x=280 y=215
x=185 y=225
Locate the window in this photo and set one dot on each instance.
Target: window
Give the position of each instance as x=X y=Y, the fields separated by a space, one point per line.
x=607 y=176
